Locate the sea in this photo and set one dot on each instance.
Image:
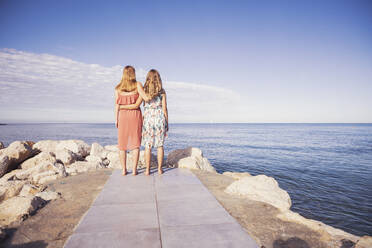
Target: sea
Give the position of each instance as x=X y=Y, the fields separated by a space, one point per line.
x=325 y=168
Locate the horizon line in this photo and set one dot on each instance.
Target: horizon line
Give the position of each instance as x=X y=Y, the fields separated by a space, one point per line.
x=9 y=123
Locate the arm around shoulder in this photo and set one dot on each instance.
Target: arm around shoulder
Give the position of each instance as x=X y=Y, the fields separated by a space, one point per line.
x=142 y=92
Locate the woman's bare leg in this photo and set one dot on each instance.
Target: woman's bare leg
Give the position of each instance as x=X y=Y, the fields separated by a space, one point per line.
x=135 y=161
x=147 y=160
x=160 y=159
x=123 y=161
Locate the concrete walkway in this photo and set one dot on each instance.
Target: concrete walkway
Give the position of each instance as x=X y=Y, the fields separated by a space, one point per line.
x=170 y=210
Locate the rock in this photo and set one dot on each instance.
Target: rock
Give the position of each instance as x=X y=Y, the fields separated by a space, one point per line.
x=65 y=156
x=113 y=157
x=10 y=189
x=48 y=195
x=46 y=145
x=94 y=159
x=39 y=177
x=323 y=229
x=261 y=188
x=17 y=152
x=364 y=242
x=44 y=168
x=236 y=175
x=78 y=147
x=19 y=208
x=106 y=162
x=190 y=158
x=1 y=145
x=83 y=166
x=41 y=157
x=28 y=189
x=112 y=148
x=61 y=169
x=4 y=164
x=9 y=176
x=99 y=151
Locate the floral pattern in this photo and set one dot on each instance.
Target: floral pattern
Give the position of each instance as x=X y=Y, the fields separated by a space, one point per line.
x=154 y=123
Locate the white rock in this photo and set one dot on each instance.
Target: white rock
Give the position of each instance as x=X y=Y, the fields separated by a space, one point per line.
x=10 y=189
x=106 y=162
x=28 y=189
x=19 y=208
x=190 y=158
x=5 y=164
x=61 y=169
x=45 y=176
x=48 y=179
x=41 y=157
x=48 y=195
x=78 y=147
x=94 y=159
x=65 y=156
x=315 y=225
x=236 y=175
x=364 y=242
x=98 y=150
x=83 y=166
x=9 y=176
x=17 y=152
x=112 y=148
x=46 y=145
x=261 y=188
x=113 y=157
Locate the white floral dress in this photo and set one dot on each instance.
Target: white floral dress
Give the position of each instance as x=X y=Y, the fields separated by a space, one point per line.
x=154 y=123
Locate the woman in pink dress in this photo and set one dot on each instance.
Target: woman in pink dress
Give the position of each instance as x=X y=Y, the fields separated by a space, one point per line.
x=128 y=121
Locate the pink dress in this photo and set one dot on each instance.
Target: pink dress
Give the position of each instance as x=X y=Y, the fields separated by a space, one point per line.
x=129 y=123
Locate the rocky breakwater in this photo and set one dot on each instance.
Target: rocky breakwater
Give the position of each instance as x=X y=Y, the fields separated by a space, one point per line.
x=266 y=189
x=27 y=167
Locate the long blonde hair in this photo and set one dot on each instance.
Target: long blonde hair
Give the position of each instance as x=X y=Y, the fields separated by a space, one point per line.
x=128 y=81
x=153 y=86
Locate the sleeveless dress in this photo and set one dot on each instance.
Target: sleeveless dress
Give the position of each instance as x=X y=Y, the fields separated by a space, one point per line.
x=154 y=123
x=129 y=123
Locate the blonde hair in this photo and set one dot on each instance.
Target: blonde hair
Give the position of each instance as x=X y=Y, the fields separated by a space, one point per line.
x=128 y=81
x=153 y=85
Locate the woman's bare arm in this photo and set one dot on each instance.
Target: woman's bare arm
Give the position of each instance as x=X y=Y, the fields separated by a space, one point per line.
x=116 y=108
x=142 y=92
x=134 y=105
x=164 y=106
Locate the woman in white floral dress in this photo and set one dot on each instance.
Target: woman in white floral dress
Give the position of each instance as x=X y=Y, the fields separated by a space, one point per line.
x=155 y=117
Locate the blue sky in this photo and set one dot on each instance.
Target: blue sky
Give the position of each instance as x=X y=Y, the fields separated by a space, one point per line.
x=222 y=61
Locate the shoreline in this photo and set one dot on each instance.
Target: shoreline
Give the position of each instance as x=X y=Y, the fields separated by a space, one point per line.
x=58 y=160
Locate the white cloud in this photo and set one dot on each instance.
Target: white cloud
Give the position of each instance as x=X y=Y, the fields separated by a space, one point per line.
x=44 y=87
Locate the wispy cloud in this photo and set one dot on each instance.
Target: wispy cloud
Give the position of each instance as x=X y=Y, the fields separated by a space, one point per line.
x=45 y=87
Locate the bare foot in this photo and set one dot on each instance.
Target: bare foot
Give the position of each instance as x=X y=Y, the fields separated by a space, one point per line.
x=160 y=171
x=134 y=173
x=124 y=172
x=147 y=172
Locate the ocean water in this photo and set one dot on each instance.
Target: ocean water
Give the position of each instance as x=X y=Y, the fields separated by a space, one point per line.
x=326 y=168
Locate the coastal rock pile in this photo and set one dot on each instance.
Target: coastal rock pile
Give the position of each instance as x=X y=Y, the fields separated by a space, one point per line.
x=261 y=188
x=190 y=158
x=27 y=167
